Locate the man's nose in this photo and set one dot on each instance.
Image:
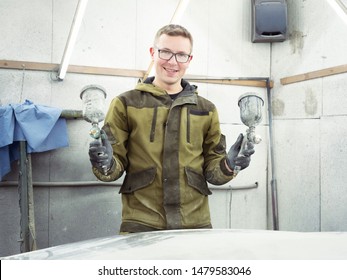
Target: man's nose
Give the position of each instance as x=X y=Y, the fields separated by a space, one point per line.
x=172 y=59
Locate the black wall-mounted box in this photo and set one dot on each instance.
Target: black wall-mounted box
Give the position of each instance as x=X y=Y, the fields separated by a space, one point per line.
x=269 y=21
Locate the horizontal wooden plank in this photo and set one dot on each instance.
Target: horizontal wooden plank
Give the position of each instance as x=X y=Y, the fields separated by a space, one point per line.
x=92 y=70
x=106 y=71
x=235 y=82
x=27 y=65
x=314 y=74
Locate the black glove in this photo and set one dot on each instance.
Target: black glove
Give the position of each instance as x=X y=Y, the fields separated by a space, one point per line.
x=237 y=159
x=100 y=153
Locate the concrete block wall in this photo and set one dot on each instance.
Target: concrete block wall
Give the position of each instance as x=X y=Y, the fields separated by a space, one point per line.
x=309 y=130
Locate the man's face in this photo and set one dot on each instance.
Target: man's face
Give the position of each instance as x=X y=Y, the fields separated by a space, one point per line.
x=170 y=72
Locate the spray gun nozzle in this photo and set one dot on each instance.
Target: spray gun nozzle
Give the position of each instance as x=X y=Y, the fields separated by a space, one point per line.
x=95 y=131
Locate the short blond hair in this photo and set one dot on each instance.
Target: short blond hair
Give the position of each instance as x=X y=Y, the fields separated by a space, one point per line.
x=174 y=30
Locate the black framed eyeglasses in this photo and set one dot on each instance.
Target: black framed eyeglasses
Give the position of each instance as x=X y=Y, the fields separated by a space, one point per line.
x=167 y=55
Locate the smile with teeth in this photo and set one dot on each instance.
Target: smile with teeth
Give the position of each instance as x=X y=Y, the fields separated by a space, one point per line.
x=170 y=70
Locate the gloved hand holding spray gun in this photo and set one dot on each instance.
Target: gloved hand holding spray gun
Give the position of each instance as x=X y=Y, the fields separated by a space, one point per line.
x=239 y=154
x=100 y=150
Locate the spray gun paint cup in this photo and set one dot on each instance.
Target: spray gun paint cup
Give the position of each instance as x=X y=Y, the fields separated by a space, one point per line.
x=93 y=97
x=250 y=105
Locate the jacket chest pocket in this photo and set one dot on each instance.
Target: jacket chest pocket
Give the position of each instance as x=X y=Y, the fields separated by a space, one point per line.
x=196 y=125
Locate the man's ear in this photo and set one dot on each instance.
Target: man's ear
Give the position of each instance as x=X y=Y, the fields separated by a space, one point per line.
x=151 y=51
x=190 y=58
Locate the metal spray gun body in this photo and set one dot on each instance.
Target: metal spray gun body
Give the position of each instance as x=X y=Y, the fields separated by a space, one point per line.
x=250 y=105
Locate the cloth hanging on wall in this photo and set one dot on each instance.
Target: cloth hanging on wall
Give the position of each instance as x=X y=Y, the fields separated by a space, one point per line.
x=40 y=126
x=7 y=124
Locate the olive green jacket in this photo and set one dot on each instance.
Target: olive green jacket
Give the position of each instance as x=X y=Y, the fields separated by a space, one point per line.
x=168 y=149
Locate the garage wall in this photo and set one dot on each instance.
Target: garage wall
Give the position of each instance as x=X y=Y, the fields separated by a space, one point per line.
x=308 y=117
x=309 y=131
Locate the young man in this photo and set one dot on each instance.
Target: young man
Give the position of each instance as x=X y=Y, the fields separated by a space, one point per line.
x=168 y=141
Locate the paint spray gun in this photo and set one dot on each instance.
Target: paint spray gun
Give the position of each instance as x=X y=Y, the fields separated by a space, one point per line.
x=93 y=97
x=250 y=105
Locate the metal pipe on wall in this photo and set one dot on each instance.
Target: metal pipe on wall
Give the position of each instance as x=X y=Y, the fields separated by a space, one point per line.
x=26 y=201
x=23 y=199
x=112 y=184
x=274 y=198
x=71 y=114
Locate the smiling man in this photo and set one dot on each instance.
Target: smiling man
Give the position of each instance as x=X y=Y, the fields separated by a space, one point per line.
x=167 y=139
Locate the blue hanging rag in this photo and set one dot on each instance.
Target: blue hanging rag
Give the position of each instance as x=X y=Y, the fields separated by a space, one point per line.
x=39 y=125
x=7 y=124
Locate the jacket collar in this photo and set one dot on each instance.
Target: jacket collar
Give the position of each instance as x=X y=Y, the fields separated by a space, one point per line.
x=189 y=91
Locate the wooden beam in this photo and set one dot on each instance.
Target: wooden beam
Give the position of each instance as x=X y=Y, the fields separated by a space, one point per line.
x=314 y=74
x=27 y=65
x=236 y=82
x=92 y=70
x=106 y=71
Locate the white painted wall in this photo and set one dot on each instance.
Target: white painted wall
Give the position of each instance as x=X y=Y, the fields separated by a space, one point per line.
x=309 y=136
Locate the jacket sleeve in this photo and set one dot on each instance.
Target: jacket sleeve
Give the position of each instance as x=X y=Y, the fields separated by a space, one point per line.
x=215 y=170
x=116 y=128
